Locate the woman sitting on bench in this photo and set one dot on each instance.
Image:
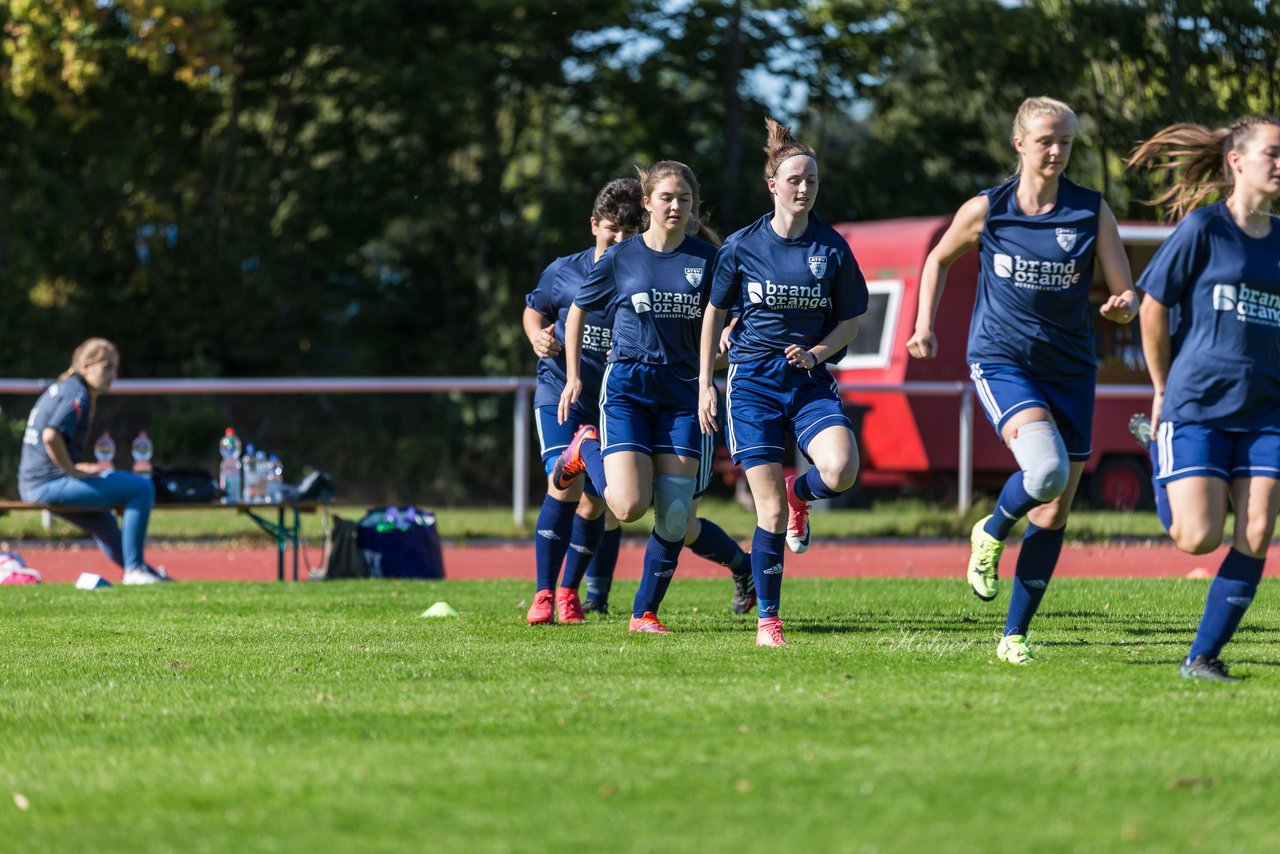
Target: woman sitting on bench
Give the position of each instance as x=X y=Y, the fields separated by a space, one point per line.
x=53 y=469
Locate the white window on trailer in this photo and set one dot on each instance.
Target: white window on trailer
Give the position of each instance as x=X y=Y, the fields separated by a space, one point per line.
x=874 y=344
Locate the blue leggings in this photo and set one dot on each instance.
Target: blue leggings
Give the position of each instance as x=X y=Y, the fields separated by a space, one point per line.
x=99 y=495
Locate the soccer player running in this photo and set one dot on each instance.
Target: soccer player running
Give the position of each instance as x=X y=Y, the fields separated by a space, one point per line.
x=703 y=537
x=571 y=523
x=1031 y=352
x=798 y=292
x=648 y=445
x=1210 y=321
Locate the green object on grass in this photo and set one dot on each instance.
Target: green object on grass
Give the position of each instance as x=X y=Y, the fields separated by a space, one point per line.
x=440 y=609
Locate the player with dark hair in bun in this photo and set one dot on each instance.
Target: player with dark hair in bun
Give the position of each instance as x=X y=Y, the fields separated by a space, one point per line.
x=571 y=523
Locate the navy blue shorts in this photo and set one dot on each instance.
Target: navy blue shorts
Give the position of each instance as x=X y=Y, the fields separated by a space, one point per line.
x=768 y=397
x=554 y=437
x=650 y=409
x=1004 y=390
x=1188 y=449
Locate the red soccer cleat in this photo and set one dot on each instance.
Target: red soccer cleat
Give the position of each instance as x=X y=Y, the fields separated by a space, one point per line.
x=570 y=463
x=648 y=623
x=568 y=608
x=769 y=632
x=797 y=519
x=541 y=609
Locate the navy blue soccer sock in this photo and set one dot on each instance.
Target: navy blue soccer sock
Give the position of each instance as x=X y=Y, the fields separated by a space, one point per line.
x=716 y=546
x=1228 y=599
x=551 y=539
x=660 y=557
x=1012 y=505
x=1163 y=511
x=810 y=487
x=590 y=450
x=767 y=550
x=1037 y=559
x=600 y=570
x=582 y=547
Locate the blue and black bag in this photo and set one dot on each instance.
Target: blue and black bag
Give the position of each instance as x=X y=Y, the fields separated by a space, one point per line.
x=401 y=542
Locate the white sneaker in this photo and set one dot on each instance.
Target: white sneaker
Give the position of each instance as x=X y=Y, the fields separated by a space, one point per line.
x=142 y=575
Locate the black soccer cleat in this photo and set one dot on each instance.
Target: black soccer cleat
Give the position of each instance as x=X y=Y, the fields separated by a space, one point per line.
x=744 y=592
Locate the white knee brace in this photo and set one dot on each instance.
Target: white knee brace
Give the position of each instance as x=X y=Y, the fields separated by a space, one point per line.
x=1042 y=456
x=672 y=505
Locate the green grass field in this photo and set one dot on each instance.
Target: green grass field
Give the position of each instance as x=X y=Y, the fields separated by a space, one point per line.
x=223 y=717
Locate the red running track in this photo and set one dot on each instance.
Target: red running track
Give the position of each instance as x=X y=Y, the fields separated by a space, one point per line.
x=838 y=559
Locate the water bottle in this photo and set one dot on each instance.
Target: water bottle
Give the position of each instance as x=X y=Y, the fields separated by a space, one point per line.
x=275 y=480
x=104 y=451
x=229 y=474
x=249 y=469
x=262 y=469
x=142 y=450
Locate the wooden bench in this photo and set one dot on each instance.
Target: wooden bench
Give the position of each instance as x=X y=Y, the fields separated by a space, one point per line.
x=286 y=528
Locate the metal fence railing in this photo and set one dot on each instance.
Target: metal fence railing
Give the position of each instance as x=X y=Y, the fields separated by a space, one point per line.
x=522 y=388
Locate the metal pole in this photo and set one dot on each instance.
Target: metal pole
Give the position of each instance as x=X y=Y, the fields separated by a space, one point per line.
x=520 y=457
x=965 y=475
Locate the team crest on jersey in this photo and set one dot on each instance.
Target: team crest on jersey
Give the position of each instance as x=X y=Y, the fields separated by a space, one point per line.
x=818 y=266
x=693 y=275
x=755 y=292
x=1066 y=238
x=640 y=302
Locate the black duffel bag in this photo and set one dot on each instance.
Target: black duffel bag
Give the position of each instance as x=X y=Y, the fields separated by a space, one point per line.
x=184 y=486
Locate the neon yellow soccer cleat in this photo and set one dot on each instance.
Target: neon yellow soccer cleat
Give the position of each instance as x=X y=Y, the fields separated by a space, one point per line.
x=1013 y=649
x=984 y=562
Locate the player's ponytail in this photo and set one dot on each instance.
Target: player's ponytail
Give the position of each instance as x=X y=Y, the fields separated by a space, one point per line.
x=1196 y=157
x=90 y=352
x=781 y=145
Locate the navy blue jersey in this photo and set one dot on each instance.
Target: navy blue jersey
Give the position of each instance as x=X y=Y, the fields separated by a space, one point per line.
x=556 y=291
x=1032 y=308
x=64 y=406
x=786 y=290
x=1224 y=289
x=658 y=297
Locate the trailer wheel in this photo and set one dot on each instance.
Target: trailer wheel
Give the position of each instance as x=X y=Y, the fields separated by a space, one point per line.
x=1121 y=483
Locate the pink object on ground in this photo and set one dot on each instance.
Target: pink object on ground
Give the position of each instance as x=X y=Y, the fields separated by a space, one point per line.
x=13 y=570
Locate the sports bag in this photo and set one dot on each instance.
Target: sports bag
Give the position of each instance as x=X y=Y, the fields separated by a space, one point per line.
x=184 y=486
x=401 y=542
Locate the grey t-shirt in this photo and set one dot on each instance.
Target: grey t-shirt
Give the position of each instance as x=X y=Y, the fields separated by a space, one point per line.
x=65 y=406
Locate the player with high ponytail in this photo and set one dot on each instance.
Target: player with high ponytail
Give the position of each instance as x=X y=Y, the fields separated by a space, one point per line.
x=797 y=292
x=1211 y=337
x=1031 y=351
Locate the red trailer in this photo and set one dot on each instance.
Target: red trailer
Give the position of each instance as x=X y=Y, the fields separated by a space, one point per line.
x=911 y=440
